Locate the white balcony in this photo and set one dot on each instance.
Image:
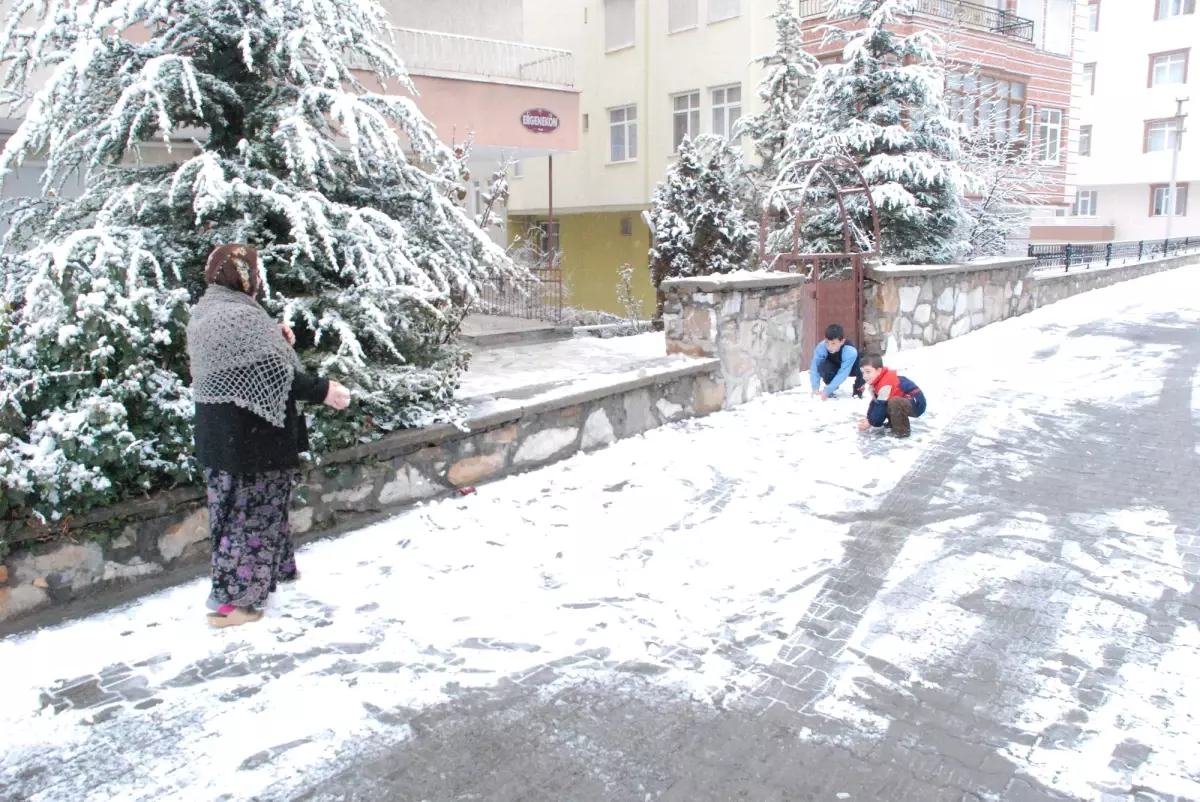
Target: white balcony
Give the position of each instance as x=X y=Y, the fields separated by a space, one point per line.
x=447 y=55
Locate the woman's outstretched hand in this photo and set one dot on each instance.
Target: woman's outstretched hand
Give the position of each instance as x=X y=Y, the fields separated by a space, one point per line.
x=288 y=334
x=338 y=396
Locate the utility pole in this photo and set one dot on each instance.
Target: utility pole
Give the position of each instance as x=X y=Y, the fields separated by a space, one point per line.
x=1180 y=118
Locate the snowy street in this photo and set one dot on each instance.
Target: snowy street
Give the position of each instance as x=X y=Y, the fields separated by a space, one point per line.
x=761 y=605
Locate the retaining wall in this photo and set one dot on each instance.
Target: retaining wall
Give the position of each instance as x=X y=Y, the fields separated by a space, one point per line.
x=132 y=541
x=909 y=306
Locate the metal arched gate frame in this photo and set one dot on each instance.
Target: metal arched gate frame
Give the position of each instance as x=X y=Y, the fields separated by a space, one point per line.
x=825 y=300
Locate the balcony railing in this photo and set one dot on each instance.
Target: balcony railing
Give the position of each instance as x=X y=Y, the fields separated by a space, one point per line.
x=451 y=54
x=968 y=15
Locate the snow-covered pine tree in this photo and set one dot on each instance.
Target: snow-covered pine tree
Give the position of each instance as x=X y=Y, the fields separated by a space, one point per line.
x=285 y=124
x=788 y=75
x=696 y=221
x=882 y=106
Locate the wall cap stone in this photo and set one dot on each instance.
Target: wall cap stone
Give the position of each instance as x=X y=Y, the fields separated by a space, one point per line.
x=913 y=271
x=733 y=281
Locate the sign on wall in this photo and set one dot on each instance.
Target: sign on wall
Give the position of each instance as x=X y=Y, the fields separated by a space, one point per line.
x=540 y=121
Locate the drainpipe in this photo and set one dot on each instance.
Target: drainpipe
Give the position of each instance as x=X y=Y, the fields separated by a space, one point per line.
x=645 y=115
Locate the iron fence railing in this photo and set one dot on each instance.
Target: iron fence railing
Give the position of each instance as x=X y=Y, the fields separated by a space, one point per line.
x=1086 y=255
x=537 y=296
x=970 y=15
x=452 y=54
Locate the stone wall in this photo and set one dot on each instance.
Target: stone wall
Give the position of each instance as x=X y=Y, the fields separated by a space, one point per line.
x=910 y=306
x=750 y=322
x=168 y=531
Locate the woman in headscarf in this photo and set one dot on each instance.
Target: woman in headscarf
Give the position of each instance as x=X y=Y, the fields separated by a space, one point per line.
x=246 y=381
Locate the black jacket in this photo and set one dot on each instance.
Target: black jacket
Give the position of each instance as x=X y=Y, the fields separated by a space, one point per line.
x=235 y=440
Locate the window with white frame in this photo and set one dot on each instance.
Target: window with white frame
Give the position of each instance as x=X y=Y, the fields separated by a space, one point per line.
x=1161 y=135
x=1085 y=203
x=686 y=111
x=622 y=134
x=989 y=105
x=727 y=110
x=1174 y=8
x=1085 y=140
x=517 y=169
x=1089 y=78
x=620 y=24
x=1093 y=15
x=1049 y=135
x=1169 y=68
x=683 y=15
x=724 y=9
x=1160 y=201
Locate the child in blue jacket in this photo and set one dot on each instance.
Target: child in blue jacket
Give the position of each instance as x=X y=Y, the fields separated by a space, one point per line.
x=835 y=360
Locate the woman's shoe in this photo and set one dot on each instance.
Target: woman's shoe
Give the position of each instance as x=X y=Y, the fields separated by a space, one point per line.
x=239 y=616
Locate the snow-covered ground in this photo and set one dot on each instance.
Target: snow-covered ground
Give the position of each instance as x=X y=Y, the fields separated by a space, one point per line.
x=664 y=550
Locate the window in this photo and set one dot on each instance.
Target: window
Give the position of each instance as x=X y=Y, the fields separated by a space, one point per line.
x=682 y=15
x=626 y=226
x=1161 y=135
x=1174 y=8
x=1094 y=15
x=622 y=134
x=517 y=170
x=1160 y=200
x=620 y=27
x=1085 y=140
x=548 y=237
x=830 y=58
x=989 y=105
x=727 y=109
x=1050 y=135
x=687 y=117
x=724 y=9
x=1168 y=68
x=1085 y=203
x=1089 y=78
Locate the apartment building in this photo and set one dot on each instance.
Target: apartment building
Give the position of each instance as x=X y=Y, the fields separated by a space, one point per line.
x=651 y=71
x=477 y=81
x=1136 y=67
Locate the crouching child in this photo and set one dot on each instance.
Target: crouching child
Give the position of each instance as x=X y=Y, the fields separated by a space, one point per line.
x=894 y=398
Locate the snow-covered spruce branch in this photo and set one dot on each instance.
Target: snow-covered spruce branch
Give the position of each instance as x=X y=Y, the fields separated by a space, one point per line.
x=287 y=124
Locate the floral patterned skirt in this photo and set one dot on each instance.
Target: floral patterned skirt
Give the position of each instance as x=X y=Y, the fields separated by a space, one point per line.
x=251 y=541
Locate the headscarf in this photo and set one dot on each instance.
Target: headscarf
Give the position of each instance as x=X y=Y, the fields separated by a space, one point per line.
x=238 y=354
x=235 y=267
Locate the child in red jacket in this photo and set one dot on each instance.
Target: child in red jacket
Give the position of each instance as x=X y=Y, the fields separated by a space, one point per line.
x=895 y=398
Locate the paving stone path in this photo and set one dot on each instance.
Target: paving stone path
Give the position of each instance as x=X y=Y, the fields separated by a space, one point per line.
x=1006 y=608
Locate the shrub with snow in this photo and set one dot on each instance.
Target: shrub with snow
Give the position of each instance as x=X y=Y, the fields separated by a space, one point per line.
x=204 y=122
x=696 y=221
x=882 y=106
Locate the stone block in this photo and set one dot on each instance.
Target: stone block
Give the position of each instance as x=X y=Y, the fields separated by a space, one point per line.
x=961 y=304
x=410 y=484
x=545 y=445
x=732 y=304
x=909 y=296
x=887 y=297
x=923 y=314
x=502 y=436
x=906 y=327
x=21 y=599
x=697 y=323
x=668 y=410
x=192 y=529
x=710 y=395
x=598 y=431
x=946 y=300
x=961 y=326
x=350 y=495
x=679 y=347
x=638 y=415
x=926 y=292
x=473 y=470
x=976 y=303
x=301 y=520
x=66 y=561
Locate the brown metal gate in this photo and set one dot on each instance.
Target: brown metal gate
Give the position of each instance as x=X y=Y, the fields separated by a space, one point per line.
x=834 y=290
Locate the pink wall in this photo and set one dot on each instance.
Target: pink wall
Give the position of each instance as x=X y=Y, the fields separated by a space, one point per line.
x=490 y=113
